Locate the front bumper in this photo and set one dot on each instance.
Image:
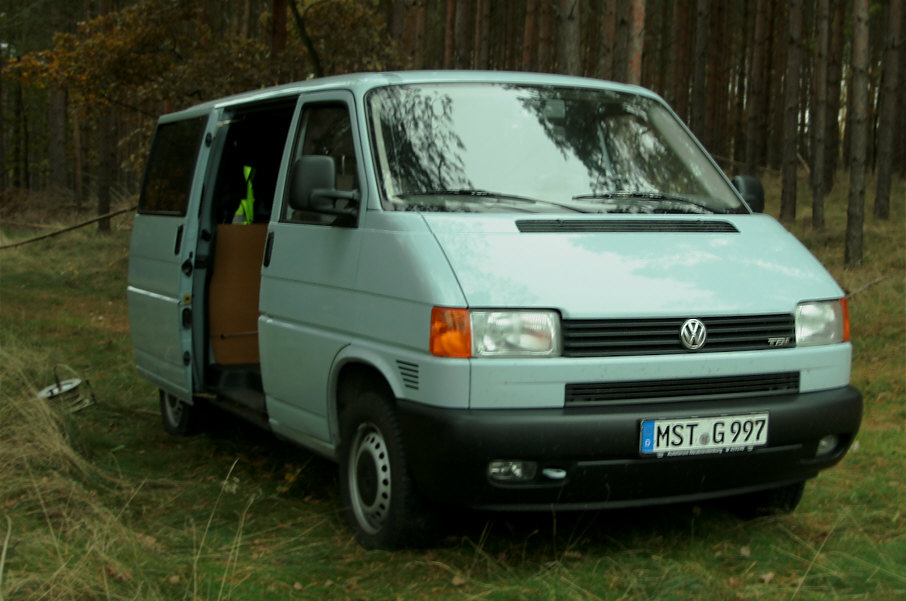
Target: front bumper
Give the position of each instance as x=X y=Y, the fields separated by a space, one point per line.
x=598 y=447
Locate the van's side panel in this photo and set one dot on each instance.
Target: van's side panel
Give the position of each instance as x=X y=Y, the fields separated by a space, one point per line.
x=307 y=306
x=162 y=255
x=153 y=301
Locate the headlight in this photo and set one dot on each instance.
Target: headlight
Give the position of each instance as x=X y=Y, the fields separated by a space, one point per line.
x=515 y=333
x=822 y=322
x=486 y=333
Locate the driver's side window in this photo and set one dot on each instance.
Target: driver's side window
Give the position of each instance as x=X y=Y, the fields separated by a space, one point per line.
x=326 y=131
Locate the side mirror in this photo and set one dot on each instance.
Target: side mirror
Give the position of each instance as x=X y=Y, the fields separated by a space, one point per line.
x=751 y=190
x=313 y=187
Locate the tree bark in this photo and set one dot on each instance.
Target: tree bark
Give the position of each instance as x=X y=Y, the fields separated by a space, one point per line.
x=482 y=34
x=3 y=172
x=568 y=38
x=755 y=125
x=887 y=129
x=636 y=41
x=834 y=84
x=774 y=150
x=699 y=81
x=278 y=28
x=607 y=23
x=546 y=37
x=450 y=34
x=106 y=167
x=56 y=138
x=682 y=60
x=718 y=53
x=818 y=126
x=791 y=113
x=530 y=35
x=855 y=213
x=462 y=26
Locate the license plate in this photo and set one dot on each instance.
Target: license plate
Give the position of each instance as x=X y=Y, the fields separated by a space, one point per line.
x=704 y=435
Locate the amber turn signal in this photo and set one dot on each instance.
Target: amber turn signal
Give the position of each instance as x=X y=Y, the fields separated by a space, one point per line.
x=450 y=333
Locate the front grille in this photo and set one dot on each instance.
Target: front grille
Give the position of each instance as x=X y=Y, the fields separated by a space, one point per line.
x=681 y=389
x=615 y=337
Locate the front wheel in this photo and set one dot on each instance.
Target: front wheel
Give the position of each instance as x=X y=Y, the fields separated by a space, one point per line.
x=179 y=417
x=382 y=506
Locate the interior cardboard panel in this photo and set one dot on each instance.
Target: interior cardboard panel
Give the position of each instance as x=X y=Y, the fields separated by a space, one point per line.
x=233 y=294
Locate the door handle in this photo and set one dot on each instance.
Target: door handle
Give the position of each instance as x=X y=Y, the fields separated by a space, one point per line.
x=178 y=245
x=268 y=249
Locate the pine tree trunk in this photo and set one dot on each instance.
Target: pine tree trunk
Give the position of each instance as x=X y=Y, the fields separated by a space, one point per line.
x=791 y=113
x=4 y=179
x=607 y=24
x=56 y=147
x=699 y=82
x=546 y=37
x=530 y=35
x=887 y=129
x=818 y=126
x=682 y=60
x=482 y=37
x=900 y=149
x=755 y=126
x=774 y=149
x=462 y=58
x=569 y=38
x=834 y=84
x=450 y=34
x=855 y=214
x=278 y=28
x=718 y=53
x=636 y=41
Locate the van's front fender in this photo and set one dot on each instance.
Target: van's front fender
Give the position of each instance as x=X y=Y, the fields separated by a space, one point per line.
x=418 y=377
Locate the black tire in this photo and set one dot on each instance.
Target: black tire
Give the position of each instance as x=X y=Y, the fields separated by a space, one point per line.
x=382 y=506
x=178 y=417
x=774 y=501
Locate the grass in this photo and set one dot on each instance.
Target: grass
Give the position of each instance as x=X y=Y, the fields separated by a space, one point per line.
x=101 y=504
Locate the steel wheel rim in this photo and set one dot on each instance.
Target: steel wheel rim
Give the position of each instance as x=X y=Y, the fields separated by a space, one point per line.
x=173 y=408
x=369 y=478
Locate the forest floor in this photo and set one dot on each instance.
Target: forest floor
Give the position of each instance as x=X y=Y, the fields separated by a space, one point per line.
x=102 y=504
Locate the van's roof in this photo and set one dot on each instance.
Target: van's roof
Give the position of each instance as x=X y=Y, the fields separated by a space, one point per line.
x=359 y=83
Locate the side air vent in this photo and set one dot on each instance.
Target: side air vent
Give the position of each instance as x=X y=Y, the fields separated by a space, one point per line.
x=409 y=373
x=624 y=226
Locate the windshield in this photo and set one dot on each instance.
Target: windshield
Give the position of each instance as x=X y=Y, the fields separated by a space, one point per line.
x=500 y=147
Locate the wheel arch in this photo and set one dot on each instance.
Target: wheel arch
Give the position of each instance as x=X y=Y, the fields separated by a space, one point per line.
x=353 y=371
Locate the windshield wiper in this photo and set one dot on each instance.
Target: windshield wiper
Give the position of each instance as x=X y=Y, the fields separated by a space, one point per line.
x=647 y=196
x=487 y=194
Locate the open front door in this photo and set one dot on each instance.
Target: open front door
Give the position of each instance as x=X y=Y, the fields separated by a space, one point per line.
x=162 y=261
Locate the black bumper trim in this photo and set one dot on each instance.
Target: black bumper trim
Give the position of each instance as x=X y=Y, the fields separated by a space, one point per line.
x=448 y=451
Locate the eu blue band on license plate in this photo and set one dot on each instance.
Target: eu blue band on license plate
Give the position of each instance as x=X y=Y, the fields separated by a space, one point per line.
x=703 y=435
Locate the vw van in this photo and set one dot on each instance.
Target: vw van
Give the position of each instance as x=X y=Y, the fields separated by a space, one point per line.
x=490 y=290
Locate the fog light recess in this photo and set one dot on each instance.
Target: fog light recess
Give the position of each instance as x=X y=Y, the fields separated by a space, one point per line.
x=512 y=471
x=827 y=445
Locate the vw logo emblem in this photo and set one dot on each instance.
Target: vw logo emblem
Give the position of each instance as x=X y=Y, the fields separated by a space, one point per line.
x=693 y=334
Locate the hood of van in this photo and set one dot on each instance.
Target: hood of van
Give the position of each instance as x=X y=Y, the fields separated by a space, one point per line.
x=631 y=267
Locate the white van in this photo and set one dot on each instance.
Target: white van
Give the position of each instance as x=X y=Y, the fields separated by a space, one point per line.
x=493 y=290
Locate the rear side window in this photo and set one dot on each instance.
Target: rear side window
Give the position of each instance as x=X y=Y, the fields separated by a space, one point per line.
x=168 y=178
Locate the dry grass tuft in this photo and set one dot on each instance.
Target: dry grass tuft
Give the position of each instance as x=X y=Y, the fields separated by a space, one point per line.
x=61 y=540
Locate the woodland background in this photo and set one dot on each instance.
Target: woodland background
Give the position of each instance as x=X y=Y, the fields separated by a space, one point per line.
x=810 y=89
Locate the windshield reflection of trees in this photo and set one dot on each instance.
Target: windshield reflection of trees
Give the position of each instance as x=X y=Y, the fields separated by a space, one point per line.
x=423 y=148
x=608 y=132
x=612 y=137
